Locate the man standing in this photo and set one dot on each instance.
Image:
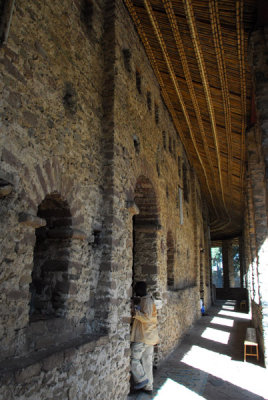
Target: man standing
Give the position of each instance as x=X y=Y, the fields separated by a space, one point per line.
x=144 y=336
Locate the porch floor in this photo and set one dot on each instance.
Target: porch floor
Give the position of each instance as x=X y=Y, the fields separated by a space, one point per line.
x=209 y=362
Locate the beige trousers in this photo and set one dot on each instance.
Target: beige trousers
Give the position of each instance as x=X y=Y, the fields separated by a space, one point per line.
x=142 y=363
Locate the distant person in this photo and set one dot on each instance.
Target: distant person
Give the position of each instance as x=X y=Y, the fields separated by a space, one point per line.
x=144 y=336
x=202 y=307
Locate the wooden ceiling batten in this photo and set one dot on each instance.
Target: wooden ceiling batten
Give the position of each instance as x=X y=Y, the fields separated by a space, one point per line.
x=164 y=93
x=177 y=90
x=197 y=50
x=199 y=56
x=219 y=49
x=241 y=56
x=188 y=78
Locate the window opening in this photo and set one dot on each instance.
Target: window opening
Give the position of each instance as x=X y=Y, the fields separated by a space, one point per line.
x=149 y=101
x=70 y=99
x=236 y=265
x=170 y=261
x=179 y=166
x=136 y=143
x=185 y=183
x=138 y=81
x=86 y=14
x=217 y=267
x=127 y=58
x=164 y=140
x=156 y=113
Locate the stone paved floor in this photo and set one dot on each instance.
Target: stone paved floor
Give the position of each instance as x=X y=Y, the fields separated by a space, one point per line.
x=208 y=364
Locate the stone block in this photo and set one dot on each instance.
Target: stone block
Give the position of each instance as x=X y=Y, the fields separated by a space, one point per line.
x=62 y=286
x=25 y=279
x=26 y=374
x=31 y=220
x=41 y=179
x=5 y=190
x=16 y=295
x=132 y=208
x=10 y=158
x=53 y=361
x=6 y=178
x=78 y=234
x=12 y=70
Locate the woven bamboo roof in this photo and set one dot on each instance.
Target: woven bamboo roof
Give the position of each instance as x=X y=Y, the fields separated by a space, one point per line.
x=198 y=50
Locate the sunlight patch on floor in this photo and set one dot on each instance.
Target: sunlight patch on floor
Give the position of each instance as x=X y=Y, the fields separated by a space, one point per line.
x=172 y=390
x=227 y=307
x=242 y=374
x=216 y=335
x=222 y=321
x=233 y=314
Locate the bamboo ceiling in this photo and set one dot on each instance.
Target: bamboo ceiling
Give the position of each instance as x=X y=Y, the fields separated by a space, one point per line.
x=197 y=49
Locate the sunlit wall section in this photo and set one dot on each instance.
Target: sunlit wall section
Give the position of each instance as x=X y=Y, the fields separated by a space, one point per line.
x=257 y=157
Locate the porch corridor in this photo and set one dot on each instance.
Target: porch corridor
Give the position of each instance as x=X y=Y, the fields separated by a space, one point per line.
x=208 y=364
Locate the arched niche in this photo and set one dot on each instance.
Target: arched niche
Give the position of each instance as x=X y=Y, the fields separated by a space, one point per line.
x=170 y=261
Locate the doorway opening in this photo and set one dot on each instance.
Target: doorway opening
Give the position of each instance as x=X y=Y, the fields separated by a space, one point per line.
x=145 y=226
x=50 y=279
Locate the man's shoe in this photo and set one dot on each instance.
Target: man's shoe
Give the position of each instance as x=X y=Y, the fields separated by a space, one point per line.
x=141 y=384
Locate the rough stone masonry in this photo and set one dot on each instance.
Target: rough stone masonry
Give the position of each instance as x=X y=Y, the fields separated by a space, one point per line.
x=96 y=192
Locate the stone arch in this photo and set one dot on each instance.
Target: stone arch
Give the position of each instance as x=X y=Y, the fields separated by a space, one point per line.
x=50 y=279
x=145 y=226
x=170 y=260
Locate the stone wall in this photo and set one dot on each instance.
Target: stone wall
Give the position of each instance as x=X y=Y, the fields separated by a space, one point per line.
x=256 y=239
x=257 y=228
x=93 y=176
x=149 y=150
x=71 y=373
x=50 y=146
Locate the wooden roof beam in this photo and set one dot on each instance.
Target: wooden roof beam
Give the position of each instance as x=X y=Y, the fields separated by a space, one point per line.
x=218 y=44
x=241 y=56
x=197 y=47
x=176 y=87
x=181 y=52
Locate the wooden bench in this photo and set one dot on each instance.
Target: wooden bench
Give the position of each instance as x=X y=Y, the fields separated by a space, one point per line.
x=251 y=344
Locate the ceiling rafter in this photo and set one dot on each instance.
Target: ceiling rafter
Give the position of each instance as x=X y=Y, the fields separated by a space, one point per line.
x=197 y=50
x=154 y=65
x=181 y=52
x=241 y=57
x=178 y=92
x=165 y=95
x=219 y=50
x=199 y=56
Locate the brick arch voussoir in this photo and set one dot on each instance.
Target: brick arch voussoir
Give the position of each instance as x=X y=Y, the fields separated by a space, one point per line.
x=39 y=181
x=145 y=169
x=145 y=198
x=47 y=178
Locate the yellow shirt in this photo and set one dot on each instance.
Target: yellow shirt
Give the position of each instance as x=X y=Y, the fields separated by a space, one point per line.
x=144 y=329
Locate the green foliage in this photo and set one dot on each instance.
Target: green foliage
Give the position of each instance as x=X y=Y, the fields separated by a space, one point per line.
x=236 y=259
x=216 y=255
